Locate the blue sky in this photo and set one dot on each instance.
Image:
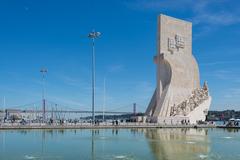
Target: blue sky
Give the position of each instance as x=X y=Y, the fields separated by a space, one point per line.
x=52 y=34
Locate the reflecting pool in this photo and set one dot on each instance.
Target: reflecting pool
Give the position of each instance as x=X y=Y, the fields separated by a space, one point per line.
x=120 y=144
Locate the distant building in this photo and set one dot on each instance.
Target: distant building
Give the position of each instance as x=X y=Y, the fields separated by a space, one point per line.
x=19 y=114
x=223 y=115
x=2 y=115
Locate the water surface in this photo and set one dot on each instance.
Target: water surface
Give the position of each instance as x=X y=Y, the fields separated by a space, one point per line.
x=120 y=144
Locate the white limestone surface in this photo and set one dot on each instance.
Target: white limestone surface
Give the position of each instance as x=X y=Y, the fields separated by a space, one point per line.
x=177 y=75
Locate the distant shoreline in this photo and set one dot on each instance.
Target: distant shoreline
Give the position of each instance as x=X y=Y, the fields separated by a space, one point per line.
x=125 y=126
x=110 y=127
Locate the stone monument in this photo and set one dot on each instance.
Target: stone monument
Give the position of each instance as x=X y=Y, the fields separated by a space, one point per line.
x=178 y=97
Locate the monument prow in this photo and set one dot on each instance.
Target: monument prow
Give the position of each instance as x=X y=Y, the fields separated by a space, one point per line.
x=178 y=96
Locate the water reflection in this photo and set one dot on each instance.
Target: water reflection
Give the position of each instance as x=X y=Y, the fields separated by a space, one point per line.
x=43 y=144
x=3 y=141
x=234 y=130
x=171 y=144
x=93 y=144
x=114 y=131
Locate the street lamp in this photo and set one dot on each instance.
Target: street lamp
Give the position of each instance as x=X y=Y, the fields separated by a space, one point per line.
x=4 y=109
x=104 y=99
x=43 y=72
x=93 y=35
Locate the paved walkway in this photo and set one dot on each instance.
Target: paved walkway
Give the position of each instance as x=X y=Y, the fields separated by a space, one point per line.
x=100 y=126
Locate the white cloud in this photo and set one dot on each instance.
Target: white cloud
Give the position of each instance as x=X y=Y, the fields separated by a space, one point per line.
x=68 y=102
x=157 y=5
x=230 y=76
x=204 y=14
x=73 y=81
x=232 y=93
x=115 y=68
x=210 y=12
x=70 y=81
x=219 y=63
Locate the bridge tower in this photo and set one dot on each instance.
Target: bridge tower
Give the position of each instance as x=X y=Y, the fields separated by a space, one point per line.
x=43 y=72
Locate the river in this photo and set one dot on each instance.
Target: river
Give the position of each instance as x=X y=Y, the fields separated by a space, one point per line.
x=120 y=144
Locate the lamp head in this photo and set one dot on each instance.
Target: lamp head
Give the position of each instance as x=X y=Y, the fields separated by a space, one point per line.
x=94 y=34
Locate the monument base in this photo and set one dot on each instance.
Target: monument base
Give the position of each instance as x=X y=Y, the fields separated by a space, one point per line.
x=198 y=114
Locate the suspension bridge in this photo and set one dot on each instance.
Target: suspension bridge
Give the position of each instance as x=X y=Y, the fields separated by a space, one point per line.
x=51 y=109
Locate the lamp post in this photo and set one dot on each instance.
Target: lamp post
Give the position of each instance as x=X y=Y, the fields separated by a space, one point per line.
x=43 y=72
x=93 y=35
x=4 y=109
x=104 y=99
